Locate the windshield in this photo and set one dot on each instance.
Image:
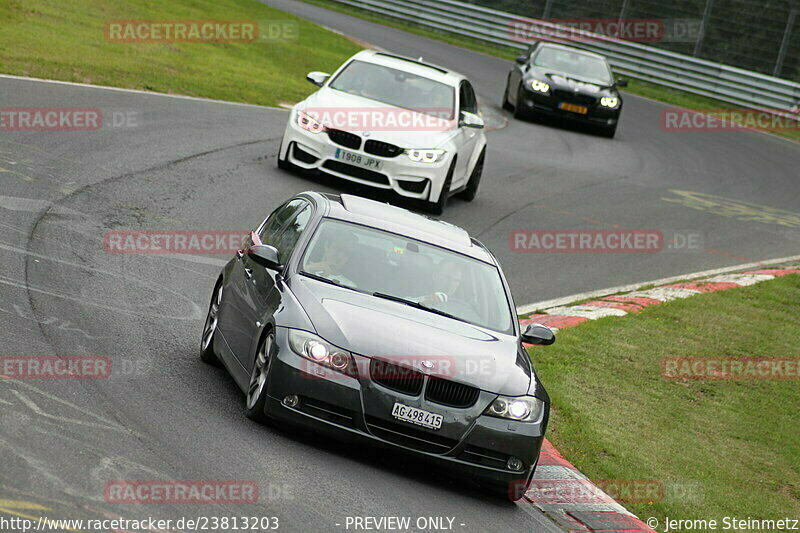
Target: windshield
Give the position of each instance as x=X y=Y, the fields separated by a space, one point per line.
x=396 y=267
x=573 y=63
x=396 y=87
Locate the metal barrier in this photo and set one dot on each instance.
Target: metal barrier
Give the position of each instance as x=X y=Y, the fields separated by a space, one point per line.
x=662 y=67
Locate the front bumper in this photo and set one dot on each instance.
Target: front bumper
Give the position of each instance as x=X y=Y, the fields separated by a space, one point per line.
x=537 y=103
x=317 y=152
x=359 y=409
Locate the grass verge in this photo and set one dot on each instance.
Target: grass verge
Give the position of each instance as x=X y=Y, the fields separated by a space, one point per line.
x=720 y=448
x=66 y=41
x=640 y=88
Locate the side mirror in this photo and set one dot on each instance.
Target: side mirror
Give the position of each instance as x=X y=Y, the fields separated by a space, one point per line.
x=538 y=334
x=318 y=78
x=471 y=120
x=521 y=60
x=265 y=255
x=622 y=83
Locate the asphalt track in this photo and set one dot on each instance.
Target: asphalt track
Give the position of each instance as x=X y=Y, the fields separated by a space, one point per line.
x=198 y=165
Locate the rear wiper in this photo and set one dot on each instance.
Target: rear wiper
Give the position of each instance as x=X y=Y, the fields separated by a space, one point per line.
x=414 y=304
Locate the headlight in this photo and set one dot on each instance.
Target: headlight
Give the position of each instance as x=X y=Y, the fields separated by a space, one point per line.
x=320 y=351
x=523 y=409
x=540 y=86
x=425 y=156
x=609 y=101
x=309 y=123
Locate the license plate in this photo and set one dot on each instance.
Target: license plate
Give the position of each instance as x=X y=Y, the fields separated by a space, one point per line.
x=358 y=159
x=417 y=416
x=582 y=109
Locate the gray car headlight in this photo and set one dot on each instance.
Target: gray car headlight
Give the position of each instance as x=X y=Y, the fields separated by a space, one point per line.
x=522 y=409
x=425 y=156
x=309 y=123
x=319 y=350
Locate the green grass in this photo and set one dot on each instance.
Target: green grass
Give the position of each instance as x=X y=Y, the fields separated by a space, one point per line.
x=720 y=448
x=64 y=40
x=640 y=88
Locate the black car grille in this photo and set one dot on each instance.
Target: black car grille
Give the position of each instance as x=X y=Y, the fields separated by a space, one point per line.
x=382 y=149
x=575 y=98
x=357 y=172
x=345 y=138
x=450 y=393
x=409 y=436
x=396 y=378
x=485 y=457
x=413 y=186
x=302 y=155
x=326 y=411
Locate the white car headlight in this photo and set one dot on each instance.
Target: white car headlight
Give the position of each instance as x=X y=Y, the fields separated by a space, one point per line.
x=523 y=409
x=309 y=123
x=609 y=101
x=540 y=86
x=319 y=350
x=425 y=156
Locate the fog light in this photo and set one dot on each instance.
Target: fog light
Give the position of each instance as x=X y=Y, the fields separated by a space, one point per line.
x=514 y=464
x=294 y=401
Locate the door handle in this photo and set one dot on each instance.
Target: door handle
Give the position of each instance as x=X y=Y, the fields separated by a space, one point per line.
x=248 y=272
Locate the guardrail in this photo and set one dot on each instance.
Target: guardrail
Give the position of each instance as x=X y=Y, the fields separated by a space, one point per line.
x=635 y=60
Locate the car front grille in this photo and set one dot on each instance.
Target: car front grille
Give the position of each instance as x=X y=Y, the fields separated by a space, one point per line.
x=357 y=172
x=345 y=138
x=450 y=393
x=407 y=435
x=382 y=149
x=396 y=378
x=575 y=98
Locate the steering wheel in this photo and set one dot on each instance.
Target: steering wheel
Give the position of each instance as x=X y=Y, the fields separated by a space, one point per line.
x=461 y=309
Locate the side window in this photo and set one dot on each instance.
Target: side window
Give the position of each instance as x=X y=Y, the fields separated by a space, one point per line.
x=467 y=98
x=278 y=219
x=287 y=239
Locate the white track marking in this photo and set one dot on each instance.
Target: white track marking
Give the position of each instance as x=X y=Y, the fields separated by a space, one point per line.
x=138 y=91
x=586 y=311
x=529 y=308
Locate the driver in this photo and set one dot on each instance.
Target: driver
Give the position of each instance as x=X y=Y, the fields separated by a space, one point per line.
x=447 y=277
x=337 y=248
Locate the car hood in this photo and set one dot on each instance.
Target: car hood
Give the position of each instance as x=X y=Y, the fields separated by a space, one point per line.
x=570 y=82
x=378 y=328
x=403 y=127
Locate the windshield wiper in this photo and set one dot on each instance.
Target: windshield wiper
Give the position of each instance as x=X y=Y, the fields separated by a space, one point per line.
x=323 y=279
x=414 y=304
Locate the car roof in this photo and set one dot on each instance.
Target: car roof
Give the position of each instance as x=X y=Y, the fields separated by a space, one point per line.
x=401 y=221
x=570 y=49
x=419 y=66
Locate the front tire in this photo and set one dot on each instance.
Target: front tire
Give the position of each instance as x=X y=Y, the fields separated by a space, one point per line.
x=608 y=131
x=257 y=389
x=520 y=112
x=437 y=208
x=207 y=354
x=471 y=191
x=284 y=164
x=506 y=103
